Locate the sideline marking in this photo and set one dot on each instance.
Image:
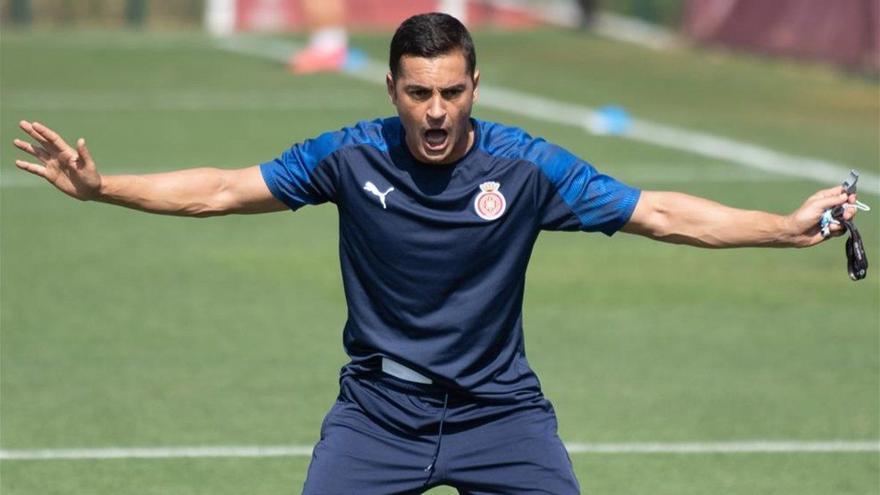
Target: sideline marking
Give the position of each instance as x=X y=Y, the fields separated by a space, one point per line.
x=607 y=24
x=743 y=447
x=187 y=100
x=516 y=102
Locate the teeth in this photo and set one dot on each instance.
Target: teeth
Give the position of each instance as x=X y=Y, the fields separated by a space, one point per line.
x=435 y=136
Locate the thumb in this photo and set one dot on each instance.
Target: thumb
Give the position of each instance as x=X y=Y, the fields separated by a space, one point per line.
x=84 y=154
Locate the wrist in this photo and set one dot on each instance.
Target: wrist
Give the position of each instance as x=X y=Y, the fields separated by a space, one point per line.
x=791 y=231
x=101 y=192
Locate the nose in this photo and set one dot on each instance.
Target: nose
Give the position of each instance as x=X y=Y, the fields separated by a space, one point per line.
x=436 y=109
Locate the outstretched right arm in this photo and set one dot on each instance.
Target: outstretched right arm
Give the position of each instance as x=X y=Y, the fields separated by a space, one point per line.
x=198 y=192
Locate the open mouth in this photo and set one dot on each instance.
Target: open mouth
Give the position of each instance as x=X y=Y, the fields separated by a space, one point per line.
x=435 y=139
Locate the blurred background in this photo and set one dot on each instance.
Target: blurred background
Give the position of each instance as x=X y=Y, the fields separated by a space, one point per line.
x=844 y=32
x=146 y=354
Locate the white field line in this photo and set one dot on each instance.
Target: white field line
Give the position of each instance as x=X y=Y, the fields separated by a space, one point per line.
x=699 y=143
x=746 y=447
x=185 y=100
x=516 y=102
x=743 y=447
x=610 y=25
x=155 y=453
x=684 y=172
x=631 y=30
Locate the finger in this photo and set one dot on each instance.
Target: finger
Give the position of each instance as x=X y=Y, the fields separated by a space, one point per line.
x=68 y=158
x=837 y=230
x=53 y=137
x=813 y=239
x=830 y=201
x=32 y=168
x=35 y=151
x=85 y=154
x=849 y=212
x=28 y=128
x=824 y=193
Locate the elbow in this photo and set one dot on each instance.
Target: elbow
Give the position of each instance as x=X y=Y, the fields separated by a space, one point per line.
x=666 y=229
x=217 y=206
x=652 y=221
x=199 y=210
x=206 y=213
x=660 y=223
x=220 y=201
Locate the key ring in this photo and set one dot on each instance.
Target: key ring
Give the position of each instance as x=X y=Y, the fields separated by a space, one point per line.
x=857 y=205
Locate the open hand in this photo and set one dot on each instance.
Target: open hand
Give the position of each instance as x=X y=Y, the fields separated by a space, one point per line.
x=70 y=170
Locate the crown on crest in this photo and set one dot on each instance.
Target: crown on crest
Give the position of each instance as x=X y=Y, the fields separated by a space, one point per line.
x=489 y=186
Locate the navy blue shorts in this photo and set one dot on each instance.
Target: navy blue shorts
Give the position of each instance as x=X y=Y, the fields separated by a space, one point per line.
x=382 y=436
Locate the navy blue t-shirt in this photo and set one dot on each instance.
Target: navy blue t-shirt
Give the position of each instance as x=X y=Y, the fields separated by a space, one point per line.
x=434 y=256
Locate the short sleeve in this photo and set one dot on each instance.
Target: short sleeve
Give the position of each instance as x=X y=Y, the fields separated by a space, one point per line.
x=579 y=197
x=302 y=175
x=308 y=172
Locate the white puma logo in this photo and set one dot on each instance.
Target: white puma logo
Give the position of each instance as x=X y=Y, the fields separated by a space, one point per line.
x=372 y=189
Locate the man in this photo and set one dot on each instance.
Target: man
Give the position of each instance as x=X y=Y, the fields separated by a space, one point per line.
x=327 y=48
x=438 y=216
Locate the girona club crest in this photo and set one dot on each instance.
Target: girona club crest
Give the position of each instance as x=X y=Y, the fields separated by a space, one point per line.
x=490 y=203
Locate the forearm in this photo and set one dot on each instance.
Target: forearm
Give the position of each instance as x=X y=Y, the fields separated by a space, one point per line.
x=682 y=219
x=198 y=192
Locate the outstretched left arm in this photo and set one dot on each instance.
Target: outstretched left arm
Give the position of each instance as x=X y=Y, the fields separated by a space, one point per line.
x=683 y=219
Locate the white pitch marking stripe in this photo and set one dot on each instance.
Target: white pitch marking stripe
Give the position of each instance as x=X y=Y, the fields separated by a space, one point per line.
x=184 y=99
x=746 y=447
x=610 y=25
x=156 y=453
x=516 y=102
x=729 y=150
x=749 y=155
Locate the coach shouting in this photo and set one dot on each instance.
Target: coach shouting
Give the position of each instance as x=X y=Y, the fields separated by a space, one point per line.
x=438 y=214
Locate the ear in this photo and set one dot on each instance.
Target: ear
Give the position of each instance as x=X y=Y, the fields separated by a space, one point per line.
x=476 y=84
x=389 y=85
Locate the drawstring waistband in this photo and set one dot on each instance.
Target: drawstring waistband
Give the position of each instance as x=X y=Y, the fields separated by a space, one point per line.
x=401 y=372
x=430 y=468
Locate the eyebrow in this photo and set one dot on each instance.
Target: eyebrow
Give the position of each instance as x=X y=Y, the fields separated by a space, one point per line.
x=417 y=87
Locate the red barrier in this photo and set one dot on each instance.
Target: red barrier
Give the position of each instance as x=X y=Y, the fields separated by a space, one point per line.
x=286 y=15
x=845 y=32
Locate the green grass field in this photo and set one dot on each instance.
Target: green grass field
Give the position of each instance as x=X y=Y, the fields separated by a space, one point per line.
x=124 y=330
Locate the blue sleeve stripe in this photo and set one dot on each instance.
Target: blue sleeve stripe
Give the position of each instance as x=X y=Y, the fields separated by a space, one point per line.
x=626 y=207
x=600 y=202
x=290 y=176
x=278 y=178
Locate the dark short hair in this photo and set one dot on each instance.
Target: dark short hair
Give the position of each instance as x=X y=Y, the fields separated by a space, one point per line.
x=429 y=36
